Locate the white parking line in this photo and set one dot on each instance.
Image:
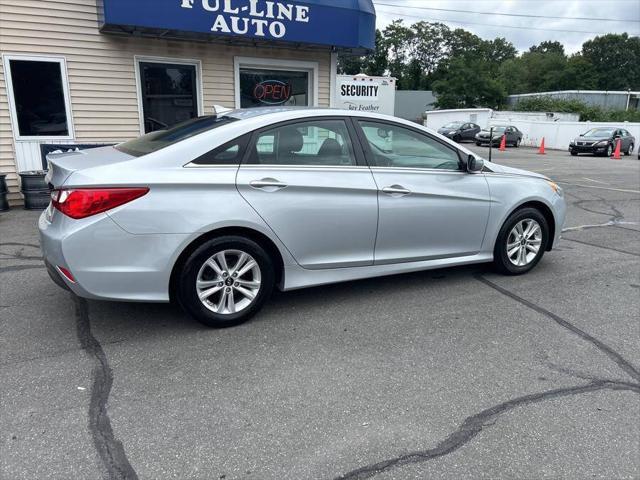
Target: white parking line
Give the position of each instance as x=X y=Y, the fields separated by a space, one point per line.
x=597 y=181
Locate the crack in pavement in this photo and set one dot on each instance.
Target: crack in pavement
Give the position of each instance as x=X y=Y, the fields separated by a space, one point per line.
x=17 y=268
x=624 y=364
x=110 y=449
x=627 y=252
x=474 y=424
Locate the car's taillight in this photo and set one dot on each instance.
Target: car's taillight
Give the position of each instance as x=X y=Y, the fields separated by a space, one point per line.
x=84 y=202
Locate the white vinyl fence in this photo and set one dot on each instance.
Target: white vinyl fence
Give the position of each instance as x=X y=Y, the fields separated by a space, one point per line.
x=557 y=135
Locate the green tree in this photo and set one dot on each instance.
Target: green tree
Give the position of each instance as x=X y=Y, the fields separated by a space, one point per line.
x=374 y=64
x=548 y=47
x=468 y=83
x=616 y=61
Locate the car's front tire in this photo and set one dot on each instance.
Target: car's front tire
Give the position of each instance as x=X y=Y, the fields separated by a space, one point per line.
x=629 y=150
x=521 y=242
x=573 y=152
x=226 y=281
x=609 y=151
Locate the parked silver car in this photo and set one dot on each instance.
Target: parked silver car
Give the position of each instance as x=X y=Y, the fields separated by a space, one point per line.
x=219 y=210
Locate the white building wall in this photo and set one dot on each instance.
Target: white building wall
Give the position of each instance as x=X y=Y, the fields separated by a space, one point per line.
x=438 y=118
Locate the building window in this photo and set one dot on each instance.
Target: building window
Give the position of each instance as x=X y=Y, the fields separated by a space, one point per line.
x=39 y=97
x=168 y=92
x=267 y=88
x=266 y=82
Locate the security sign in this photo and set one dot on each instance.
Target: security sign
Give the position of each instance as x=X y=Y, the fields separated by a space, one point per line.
x=364 y=93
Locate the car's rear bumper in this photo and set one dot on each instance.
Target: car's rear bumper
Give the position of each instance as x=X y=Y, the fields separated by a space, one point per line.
x=106 y=262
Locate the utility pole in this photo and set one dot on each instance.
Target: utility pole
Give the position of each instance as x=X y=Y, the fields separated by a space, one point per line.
x=490 y=141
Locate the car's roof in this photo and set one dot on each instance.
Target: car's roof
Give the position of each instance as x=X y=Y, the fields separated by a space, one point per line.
x=298 y=112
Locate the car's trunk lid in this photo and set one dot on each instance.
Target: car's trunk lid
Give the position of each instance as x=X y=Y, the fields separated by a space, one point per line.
x=62 y=165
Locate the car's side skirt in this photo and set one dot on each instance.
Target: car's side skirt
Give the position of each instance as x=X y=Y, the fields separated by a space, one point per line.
x=297 y=277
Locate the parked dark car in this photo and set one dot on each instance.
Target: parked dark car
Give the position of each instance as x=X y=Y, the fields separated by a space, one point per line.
x=514 y=136
x=602 y=141
x=460 y=131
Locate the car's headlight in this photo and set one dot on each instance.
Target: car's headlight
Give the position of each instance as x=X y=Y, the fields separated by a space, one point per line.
x=602 y=143
x=556 y=188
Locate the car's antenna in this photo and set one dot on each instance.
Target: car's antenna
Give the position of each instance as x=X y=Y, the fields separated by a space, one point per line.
x=219 y=110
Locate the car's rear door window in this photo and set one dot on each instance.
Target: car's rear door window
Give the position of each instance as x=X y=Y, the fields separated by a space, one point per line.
x=316 y=142
x=231 y=153
x=397 y=146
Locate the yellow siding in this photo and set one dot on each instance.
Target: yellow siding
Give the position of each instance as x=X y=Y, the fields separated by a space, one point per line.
x=101 y=69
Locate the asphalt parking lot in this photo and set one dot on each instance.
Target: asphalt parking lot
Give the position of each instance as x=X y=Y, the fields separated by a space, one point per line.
x=447 y=374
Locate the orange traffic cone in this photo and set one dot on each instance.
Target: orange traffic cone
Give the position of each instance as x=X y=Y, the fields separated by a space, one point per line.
x=616 y=153
x=503 y=143
x=541 y=150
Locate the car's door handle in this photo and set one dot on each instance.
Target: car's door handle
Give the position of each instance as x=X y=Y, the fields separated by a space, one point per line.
x=396 y=190
x=269 y=184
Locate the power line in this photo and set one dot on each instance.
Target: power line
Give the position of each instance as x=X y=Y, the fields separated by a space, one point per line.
x=508 y=14
x=501 y=26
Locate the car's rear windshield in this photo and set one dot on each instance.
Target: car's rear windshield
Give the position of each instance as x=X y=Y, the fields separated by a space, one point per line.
x=599 y=132
x=155 y=141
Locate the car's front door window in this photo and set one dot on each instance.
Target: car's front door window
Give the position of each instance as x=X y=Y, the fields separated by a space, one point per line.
x=396 y=146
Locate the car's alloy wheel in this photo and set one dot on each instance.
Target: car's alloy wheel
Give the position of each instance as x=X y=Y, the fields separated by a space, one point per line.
x=225 y=281
x=523 y=242
x=228 y=282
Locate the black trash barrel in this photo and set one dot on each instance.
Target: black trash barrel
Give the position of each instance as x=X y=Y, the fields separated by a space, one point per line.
x=4 y=203
x=35 y=190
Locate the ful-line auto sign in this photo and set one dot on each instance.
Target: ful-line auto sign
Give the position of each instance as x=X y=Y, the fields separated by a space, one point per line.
x=337 y=23
x=260 y=17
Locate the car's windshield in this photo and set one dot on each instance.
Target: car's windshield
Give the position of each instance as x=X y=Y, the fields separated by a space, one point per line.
x=155 y=141
x=495 y=129
x=453 y=125
x=598 y=132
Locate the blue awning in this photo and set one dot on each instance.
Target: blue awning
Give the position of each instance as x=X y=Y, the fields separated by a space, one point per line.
x=344 y=24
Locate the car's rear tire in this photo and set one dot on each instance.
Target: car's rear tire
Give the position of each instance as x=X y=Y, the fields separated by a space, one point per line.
x=518 y=141
x=574 y=153
x=517 y=248
x=478 y=144
x=629 y=150
x=225 y=281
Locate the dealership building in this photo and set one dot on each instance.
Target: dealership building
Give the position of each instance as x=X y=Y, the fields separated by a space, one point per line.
x=103 y=71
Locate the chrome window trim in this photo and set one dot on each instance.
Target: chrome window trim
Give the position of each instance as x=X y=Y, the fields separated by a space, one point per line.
x=196 y=165
x=417 y=170
x=305 y=167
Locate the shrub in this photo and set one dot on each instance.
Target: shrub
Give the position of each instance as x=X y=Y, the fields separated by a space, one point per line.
x=588 y=113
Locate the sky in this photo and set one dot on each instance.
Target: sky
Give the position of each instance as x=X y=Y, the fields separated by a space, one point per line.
x=571 y=33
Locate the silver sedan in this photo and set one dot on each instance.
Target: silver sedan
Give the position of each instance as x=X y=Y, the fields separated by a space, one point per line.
x=216 y=212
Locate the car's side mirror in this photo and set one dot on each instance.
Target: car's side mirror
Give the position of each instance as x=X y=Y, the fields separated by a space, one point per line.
x=474 y=164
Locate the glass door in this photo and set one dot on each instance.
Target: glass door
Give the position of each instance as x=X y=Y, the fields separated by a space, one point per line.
x=169 y=94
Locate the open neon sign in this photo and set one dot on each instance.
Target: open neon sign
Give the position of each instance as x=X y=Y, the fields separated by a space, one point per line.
x=272 y=92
